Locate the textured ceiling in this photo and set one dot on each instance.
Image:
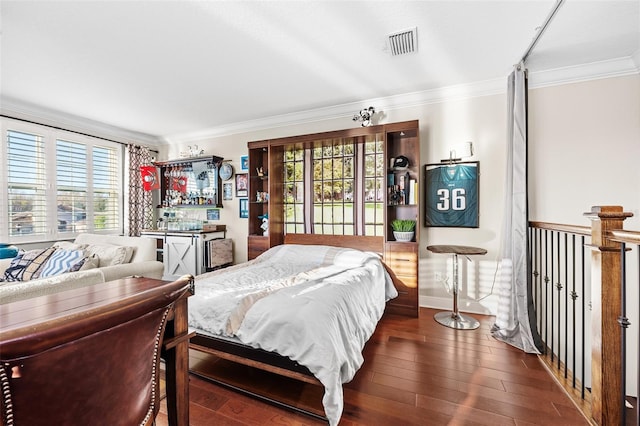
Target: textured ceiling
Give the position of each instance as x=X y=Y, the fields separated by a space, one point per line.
x=172 y=68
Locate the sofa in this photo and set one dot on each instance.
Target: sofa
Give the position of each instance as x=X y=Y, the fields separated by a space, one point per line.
x=103 y=258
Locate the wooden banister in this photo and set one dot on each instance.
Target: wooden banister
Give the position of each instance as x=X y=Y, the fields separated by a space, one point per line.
x=606 y=342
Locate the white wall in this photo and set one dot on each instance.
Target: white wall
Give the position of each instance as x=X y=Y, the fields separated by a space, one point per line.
x=584 y=149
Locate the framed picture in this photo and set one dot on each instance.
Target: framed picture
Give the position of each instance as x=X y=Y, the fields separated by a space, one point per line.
x=244 y=207
x=242 y=185
x=227 y=191
x=244 y=163
x=452 y=197
x=213 y=214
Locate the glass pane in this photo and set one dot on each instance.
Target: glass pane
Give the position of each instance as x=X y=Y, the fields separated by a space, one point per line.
x=327 y=151
x=348 y=167
x=300 y=228
x=327 y=190
x=327 y=169
x=317 y=192
x=348 y=213
x=289 y=172
x=349 y=230
x=299 y=171
x=369 y=213
x=348 y=190
x=299 y=155
x=379 y=165
x=349 y=149
x=289 y=196
x=299 y=212
x=369 y=165
x=370 y=230
x=327 y=229
x=299 y=192
x=338 y=149
x=369 y=147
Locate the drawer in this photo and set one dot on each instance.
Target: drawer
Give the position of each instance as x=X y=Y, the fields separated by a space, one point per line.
x=410 y=281
x=406 y=298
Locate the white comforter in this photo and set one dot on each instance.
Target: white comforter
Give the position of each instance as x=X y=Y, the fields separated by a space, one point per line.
x=317 y=305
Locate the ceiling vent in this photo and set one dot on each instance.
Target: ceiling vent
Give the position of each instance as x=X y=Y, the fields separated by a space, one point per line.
x=404 y=42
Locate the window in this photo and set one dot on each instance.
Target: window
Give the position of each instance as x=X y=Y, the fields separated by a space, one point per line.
x=75 y=176
x=342 y=203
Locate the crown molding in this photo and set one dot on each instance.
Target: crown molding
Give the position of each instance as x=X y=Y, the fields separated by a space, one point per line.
x=618 y=67
x=407 y=100
x=20 y=110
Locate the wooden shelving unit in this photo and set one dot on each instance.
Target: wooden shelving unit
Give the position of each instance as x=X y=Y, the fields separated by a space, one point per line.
x=267 y=158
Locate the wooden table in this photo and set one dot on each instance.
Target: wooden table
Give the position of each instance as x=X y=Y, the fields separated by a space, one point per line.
x=32 y=325
x=455 y=319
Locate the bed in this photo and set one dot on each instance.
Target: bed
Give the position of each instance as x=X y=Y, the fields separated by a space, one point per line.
x=301 y=310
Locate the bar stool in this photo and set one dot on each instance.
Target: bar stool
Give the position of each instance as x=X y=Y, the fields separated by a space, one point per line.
x=455 y=319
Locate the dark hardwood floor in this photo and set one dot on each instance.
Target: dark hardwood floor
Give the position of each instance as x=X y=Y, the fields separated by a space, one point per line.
x=416 y=372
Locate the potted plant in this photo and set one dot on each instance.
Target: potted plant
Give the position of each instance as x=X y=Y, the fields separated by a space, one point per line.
x=403 y=229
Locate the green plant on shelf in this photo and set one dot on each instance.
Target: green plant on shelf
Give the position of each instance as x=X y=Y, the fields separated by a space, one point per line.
x=403 y=225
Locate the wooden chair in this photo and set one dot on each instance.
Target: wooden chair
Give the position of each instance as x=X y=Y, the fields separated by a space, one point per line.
x=97 y=367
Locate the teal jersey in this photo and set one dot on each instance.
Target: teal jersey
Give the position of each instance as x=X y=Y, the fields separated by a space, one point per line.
x=452 y=196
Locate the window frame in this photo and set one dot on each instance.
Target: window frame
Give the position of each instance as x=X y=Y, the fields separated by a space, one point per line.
x=50 y=136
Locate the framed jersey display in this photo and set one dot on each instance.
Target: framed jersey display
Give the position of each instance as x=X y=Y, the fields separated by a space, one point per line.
x=452 y=194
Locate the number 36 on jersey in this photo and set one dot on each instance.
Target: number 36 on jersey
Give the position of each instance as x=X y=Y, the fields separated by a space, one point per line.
x=451 y=198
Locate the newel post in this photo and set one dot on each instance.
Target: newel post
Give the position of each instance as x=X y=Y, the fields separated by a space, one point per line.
x=606 y=343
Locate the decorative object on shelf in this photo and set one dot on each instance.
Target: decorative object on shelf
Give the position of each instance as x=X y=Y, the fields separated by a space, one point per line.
x=244 y=163
x=400 y=163
x=365 y=116
x=227 y=191
x=260 y=172
x=242 y=185
x=403 y=229
x=150 y=178
x=262 y=197
x=192 y=151
x=226 y=171
x=244 y=208
x=265 y=224
x=452 y=194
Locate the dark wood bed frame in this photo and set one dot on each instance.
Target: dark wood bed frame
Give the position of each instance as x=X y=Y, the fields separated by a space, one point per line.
x=271 y=361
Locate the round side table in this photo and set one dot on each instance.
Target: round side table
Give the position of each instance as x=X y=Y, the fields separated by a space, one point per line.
x=455 y=319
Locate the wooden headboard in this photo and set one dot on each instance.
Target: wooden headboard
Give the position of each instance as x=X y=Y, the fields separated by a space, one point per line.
x=360 y=242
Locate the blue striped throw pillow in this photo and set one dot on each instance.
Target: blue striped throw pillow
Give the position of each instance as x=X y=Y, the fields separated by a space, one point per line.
x=61 y=261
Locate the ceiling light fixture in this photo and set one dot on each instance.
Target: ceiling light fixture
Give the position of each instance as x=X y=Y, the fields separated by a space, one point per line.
x=365 y=116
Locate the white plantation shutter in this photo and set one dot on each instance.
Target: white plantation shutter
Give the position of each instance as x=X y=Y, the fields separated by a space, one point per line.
x=26 y=190
x=106 y=188
x=72 y=184
x=58 y=184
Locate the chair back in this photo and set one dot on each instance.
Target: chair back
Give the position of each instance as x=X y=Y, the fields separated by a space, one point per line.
x=102 y=369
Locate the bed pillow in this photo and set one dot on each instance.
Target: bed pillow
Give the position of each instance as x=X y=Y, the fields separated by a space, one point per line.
x=61 y=261
x=110 y=254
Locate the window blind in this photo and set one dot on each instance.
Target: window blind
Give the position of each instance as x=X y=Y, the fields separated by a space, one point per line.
x=26 y=184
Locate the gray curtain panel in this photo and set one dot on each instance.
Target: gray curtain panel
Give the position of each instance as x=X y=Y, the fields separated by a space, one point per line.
x=513 y=323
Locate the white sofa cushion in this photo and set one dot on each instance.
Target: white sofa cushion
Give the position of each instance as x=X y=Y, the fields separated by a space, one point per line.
x=109 y=254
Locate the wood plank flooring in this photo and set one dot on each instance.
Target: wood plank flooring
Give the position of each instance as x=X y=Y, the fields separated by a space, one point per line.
x=416 y=372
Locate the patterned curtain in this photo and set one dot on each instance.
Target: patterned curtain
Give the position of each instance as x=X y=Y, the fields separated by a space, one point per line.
x=140 y=202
